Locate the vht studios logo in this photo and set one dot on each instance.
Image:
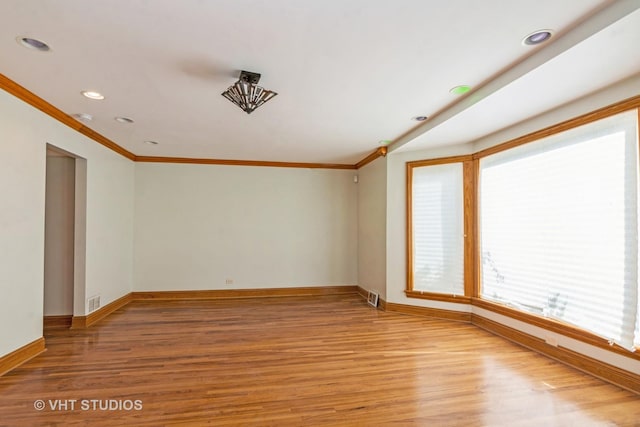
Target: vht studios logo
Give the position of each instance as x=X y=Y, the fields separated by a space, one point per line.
x=88 y=405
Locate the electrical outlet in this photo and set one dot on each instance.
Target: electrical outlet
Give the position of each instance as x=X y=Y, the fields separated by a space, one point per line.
x=228 y=282
x=553 y=341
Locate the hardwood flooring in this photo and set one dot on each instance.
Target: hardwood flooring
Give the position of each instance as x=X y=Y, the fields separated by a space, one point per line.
x=298 y=361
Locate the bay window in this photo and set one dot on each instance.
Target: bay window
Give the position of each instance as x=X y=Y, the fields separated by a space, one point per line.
x=544 y=229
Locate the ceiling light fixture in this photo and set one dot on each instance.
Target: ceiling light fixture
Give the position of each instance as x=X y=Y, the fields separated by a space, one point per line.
x=419 y=118
x=83 y=117
x=537 y=37
x=92 y=94
x=246 y=94
x=151 y=142
x=123 y=119
x=33 y=44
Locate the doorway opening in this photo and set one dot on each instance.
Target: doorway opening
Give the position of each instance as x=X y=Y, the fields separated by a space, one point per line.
x=65 y=208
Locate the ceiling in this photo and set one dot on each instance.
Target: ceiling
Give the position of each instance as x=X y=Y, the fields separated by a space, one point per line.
x=349 y=73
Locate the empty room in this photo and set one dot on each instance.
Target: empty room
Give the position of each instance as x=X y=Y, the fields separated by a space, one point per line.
x=297 y=213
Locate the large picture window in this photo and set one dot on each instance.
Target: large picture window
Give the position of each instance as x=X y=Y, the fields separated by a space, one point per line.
x=558 y=228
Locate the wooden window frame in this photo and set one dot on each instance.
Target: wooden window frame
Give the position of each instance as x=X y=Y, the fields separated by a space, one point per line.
x=468 y=180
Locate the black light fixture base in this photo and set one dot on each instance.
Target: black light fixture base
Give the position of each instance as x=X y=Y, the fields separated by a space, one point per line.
x=249 y=77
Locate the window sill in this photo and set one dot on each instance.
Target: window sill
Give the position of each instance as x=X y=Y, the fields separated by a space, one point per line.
x=528 y=318
x=554 y=326
x=432 y=296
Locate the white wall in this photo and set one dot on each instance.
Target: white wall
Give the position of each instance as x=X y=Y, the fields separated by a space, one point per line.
x=109 y=236
x=59 y=236
x=198 y=225
x=372 y=227
x=24 y=133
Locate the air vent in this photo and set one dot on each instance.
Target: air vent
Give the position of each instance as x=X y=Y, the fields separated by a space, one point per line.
x=94 y=303
x=372 y=298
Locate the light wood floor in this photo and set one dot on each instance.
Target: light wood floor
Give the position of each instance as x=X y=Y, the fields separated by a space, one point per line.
x=302 y=361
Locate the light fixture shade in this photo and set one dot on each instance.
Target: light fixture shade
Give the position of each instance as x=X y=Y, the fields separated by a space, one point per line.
x=246 y=94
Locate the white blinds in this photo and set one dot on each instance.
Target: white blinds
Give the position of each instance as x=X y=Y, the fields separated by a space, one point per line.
x=437 y=221
x=559 y=228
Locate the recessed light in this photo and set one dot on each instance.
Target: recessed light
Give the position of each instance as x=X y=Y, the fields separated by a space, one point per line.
x=92 y=94
x=123 y=120
x=33 y=44
x=419 y=118
x=459 y=90
x=83 y=117
x=151 y=142
x=537 y=37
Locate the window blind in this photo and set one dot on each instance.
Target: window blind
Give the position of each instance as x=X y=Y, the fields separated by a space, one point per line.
x=559 y=228
x=437 y=222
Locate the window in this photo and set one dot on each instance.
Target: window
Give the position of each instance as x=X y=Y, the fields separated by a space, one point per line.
x=436 y=217
x=558 y=228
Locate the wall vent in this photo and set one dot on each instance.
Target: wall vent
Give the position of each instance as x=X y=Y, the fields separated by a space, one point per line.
x=94 y=303
x=372 y=298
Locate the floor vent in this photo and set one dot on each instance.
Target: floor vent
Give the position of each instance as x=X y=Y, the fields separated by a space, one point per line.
x=372 y=298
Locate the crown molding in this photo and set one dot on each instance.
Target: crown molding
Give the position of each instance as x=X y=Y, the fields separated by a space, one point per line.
x=380 y=152
x=153 y=159
x=34 y=100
